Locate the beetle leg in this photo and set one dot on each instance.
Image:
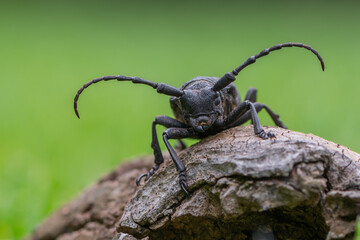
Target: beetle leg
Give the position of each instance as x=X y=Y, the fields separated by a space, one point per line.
x=247 y=108
x=180 y=145
x=258 y=106
x=275 y=117
x=251 y=95
x=159 y=159
x=178 y=133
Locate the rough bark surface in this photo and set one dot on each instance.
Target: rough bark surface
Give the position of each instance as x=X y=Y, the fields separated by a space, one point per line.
x=296 y=186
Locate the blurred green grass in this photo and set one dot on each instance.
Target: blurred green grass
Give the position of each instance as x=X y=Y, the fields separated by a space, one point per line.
x=49 y=49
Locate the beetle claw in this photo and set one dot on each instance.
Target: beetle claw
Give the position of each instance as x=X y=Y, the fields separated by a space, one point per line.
x=266 y=135
x=263 y=134
x=271 y=135
x=138 y=180
x=183 y=184
x=147 y=175
x=185 y=188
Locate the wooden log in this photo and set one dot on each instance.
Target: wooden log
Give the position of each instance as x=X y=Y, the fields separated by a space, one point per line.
x=295 y=186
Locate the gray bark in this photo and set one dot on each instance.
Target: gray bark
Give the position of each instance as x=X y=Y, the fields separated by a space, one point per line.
x=296 y=186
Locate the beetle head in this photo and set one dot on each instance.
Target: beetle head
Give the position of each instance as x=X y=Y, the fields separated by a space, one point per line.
x=201 y=108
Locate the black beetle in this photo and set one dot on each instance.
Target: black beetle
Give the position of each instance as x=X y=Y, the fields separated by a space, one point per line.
x=203 y=106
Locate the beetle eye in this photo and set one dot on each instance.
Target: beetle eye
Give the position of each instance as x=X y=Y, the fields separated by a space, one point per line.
x=217 y=101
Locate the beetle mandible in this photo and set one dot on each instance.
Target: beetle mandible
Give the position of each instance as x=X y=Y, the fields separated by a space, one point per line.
x=203 y=106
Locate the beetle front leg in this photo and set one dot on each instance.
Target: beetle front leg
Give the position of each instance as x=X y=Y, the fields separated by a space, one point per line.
x=178 y=133
x=245 y=108
x=159 y=159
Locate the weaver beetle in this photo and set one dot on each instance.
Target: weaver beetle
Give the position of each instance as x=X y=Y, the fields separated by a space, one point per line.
x=203 y=106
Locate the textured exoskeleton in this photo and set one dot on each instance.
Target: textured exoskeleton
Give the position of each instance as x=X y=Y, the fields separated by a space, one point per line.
x=203 y=106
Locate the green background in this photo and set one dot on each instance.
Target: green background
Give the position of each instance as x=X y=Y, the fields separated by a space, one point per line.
x=50 y=49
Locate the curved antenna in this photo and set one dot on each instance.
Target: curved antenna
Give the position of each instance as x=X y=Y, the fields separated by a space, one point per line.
x=160 y=87
x=230 y=76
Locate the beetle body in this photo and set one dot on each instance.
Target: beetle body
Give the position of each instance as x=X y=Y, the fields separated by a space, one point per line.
x=203 y=106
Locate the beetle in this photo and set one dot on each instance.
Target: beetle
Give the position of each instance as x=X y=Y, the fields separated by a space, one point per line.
x=203 y=106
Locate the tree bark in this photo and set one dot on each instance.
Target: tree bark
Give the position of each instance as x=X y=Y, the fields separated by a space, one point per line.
x=295 y=186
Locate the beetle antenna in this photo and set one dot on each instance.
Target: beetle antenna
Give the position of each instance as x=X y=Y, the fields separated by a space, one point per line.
x=231 y=76
x=160 y=87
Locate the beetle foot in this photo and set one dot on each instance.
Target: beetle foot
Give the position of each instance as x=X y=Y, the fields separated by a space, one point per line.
x=271 y=135
x=265 y=135
x=147 y=175
x=183 y=184
x=279 y=123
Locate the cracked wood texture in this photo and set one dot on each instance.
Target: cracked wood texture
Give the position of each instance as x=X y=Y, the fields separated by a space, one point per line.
x=295 y=186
